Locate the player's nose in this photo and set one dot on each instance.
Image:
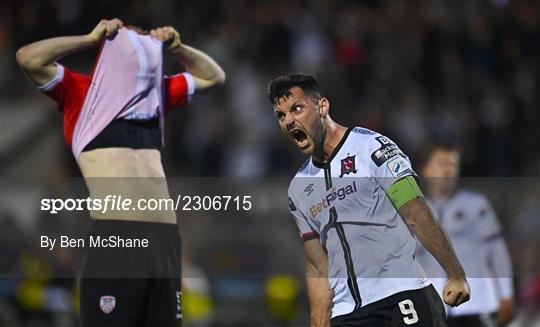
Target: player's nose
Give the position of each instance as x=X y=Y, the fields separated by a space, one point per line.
x=288 y=121
x=291 y=124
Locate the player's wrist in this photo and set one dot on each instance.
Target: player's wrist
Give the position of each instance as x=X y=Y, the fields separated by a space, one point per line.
x=177 y=49
x=456 y=272
x=457 y=278
x=92 y=39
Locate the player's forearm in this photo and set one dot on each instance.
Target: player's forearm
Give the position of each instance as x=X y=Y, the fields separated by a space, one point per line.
x=432 y=236
x=199 y=64
x=43 y=53
x=320 y=300
x=319 y=294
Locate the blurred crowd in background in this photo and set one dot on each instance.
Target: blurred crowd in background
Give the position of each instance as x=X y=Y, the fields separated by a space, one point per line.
x=467 y=72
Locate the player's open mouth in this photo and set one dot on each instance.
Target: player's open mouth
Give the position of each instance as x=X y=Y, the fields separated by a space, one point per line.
x=300 y=137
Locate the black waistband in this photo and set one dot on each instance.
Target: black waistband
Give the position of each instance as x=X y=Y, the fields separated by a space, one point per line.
x=128 y=133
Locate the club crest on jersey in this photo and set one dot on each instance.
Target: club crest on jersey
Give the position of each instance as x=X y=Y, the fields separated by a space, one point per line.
x=107 y=303
x=347 y=166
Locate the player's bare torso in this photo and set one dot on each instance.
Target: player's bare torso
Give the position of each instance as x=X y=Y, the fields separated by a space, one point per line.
x=128 y=173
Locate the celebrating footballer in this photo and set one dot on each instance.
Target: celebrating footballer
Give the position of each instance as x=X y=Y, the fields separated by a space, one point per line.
x=358 y=208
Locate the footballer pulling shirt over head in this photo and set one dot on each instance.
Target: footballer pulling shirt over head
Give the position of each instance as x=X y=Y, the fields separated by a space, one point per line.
x=113 y=122
x=356 y=202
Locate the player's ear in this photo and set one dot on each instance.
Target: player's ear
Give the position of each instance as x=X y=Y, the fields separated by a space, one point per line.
x=324 y=106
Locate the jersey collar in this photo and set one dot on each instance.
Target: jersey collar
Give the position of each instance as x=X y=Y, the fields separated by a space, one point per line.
x=336 y=150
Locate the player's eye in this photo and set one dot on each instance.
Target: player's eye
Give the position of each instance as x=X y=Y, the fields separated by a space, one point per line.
x=279 y=115
x=297 y=108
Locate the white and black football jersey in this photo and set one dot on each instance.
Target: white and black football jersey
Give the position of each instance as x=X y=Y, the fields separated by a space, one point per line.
x=344 y=204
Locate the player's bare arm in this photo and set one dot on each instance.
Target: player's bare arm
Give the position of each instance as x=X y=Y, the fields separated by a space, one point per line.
x=418 y=217
x=206 y=72
x=37 y=59
x=319 y=292
x=506 y=312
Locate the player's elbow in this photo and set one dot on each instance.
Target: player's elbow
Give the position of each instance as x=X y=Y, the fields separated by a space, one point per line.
x=22 y=56
x=220 y=78
x=214 y=83
x=26 y=60
x=312 y=270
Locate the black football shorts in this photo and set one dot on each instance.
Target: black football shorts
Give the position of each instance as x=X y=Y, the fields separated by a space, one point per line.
x=420 y=308
x=131 y=286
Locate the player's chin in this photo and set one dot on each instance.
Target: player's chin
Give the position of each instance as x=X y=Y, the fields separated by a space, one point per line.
x=305 y=147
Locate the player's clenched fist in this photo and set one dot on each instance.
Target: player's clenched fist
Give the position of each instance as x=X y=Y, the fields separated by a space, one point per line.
x=106 y=28
x=456 y=292
x=167 y=35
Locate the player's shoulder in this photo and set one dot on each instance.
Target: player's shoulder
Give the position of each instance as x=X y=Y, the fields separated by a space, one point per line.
x=362 y=135
x=472 y=197
x=373 y=146
x=368 y=139
x=303 y=171
x=362 y=131
x=304 y=168
x=479 y=205
x=359 y=139
x=76 y=75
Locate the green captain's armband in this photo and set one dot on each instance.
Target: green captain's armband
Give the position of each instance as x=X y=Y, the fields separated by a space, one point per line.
x=403 y=191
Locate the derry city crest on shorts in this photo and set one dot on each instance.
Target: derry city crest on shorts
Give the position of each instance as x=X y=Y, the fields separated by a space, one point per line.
x=107 y=303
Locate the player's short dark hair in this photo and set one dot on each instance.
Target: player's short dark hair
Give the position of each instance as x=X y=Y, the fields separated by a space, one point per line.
x=435 y=145
x=280 y=86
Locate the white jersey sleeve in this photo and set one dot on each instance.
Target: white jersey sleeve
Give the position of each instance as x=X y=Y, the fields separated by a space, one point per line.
x=502 y=268
x=497 y=251
x=387 y=163
x=305 y=231
x=489 y=224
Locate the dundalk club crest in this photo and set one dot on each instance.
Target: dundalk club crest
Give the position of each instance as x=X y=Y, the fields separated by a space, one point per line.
x=347 y=166
x=107 y=303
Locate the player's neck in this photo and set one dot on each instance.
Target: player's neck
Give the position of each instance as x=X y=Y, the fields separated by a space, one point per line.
x=333 y=136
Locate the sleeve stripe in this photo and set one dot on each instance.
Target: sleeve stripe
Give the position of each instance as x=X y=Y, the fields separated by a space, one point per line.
x=309 y=236
x=191 y=84
x=55 y=81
